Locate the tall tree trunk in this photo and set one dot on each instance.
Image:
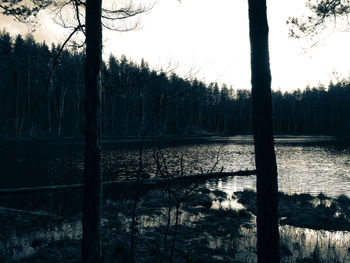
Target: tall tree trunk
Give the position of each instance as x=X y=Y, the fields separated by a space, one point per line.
x=77 y=117
x=18 y=99
x=91 y=243
x=28 y=96
x=61 y=110
x=267 y=188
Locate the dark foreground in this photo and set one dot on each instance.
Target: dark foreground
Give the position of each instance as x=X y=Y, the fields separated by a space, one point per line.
x=194 y=225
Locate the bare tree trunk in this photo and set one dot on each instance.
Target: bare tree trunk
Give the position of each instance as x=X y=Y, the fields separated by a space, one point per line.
x=61 y=111
x=28 y=96
x=18 y=99
x=267 y=188
x=91 y=243
x=77 y=117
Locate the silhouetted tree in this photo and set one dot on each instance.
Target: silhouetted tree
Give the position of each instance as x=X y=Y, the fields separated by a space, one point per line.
x=184 y=106
x=95 y=17
x=23 y=11
x=267 y=188
x=91 y=243
x=94 y=13
x=323 y=11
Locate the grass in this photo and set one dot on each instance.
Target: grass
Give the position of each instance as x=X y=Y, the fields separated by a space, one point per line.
x=306 y=211
x=205 y=234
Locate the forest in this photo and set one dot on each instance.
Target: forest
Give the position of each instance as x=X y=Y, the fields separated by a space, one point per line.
x=138 y=100
x=185 y=198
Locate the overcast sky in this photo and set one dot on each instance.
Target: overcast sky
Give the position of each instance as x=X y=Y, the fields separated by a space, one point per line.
x=211 y=38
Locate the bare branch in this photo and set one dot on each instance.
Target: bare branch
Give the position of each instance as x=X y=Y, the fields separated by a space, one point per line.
x=59 y=53
x=323 y=13
x=217 y=157
x=24 y=12
x=78 y=14
x=114 y=15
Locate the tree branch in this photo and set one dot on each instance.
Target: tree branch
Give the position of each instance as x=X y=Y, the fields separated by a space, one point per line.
x=59 y=53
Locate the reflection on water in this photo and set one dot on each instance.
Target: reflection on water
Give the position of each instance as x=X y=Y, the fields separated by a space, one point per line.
x=297 y=242
x=302 y=168
x=305 y=165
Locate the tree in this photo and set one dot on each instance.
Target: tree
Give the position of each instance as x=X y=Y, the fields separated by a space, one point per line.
x=91 y=243
x=322 y=12
x=95 y=17
x=23 y=11
x=267 y=188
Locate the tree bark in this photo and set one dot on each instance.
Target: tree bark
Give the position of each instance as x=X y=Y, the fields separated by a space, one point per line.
x=265 y=159
x=91 y=243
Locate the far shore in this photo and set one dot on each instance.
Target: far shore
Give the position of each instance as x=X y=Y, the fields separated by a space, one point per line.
x=170 y=138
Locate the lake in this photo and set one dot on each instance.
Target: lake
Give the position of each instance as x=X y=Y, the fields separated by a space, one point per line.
x=305 y=165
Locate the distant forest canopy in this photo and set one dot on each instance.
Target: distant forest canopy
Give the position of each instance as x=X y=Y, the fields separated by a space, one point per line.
x=137 y=100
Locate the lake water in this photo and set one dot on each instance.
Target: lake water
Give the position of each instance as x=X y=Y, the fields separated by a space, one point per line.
x=305 y=164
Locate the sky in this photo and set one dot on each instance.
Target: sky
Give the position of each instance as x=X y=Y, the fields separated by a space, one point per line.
x=209 y=40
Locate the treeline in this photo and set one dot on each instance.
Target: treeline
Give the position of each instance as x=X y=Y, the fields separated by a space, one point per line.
x=313 y=111
x=137 y=100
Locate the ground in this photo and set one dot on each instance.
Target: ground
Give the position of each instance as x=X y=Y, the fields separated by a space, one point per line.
x=204 y=232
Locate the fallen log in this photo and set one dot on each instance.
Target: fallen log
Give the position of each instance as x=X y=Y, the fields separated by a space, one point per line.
x=148 y=181
x=39 y=189
x=203 y=176
x=215 y=175
x=27 y=212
